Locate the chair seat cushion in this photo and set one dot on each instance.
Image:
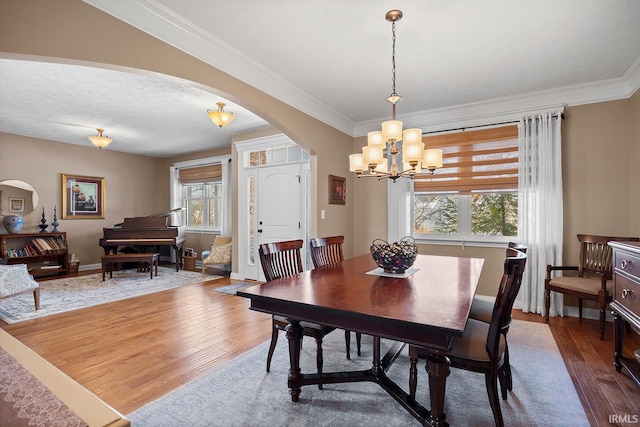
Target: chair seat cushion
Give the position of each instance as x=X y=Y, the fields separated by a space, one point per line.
x=15 y=279
x=219 y=255
x=473 y=344
x=587 y=285
x=482 y=309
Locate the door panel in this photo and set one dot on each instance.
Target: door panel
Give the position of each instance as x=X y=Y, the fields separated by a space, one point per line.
x=279 y=210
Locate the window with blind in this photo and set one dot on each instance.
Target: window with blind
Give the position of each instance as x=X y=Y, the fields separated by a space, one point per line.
x=202 y=196
x=474 y=196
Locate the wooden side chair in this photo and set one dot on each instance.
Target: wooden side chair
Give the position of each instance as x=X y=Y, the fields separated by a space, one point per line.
x=593 y=280
x=283 y=259
x=482 y=309
x=328 y=251
x=482 y=347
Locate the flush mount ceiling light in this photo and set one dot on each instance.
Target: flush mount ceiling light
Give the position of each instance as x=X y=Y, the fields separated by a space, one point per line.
x=99 y=140
x=220 y=117
x=416 y=159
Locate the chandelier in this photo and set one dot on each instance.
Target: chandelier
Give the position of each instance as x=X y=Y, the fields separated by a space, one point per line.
x=219 y=116
x=99 y=140
x=415 y=158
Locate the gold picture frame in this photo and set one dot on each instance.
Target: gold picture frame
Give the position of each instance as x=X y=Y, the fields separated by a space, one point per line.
x=337 y=190
x=83 y=197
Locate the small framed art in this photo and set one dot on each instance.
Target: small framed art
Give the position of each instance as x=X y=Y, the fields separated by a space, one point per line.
x=16 y=204
x=83 y=197
x=337 y=190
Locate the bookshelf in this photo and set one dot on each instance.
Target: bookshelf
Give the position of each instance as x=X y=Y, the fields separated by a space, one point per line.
x=46 y=254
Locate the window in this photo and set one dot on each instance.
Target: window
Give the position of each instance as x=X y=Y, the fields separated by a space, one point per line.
x=474 y=196
x=202 y=196
x=203 y=203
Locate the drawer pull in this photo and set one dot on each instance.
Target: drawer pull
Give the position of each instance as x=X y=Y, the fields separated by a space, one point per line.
x=626 y=263
x=628 y=293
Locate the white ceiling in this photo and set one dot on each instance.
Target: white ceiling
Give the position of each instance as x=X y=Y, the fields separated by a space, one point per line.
x=332 y=60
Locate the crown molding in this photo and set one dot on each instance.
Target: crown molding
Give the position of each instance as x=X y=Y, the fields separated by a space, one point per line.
x=154 y=18
x=161 y=22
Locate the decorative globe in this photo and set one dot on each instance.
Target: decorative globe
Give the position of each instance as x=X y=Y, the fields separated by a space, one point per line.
x=394 y=257
x=13 y=223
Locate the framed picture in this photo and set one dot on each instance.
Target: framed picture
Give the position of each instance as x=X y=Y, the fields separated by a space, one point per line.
x=337 y=190
x=83 y=197
x=16 y=205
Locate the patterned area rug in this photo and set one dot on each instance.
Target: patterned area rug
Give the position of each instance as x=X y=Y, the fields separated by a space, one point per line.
x=232 y=289
x=241 y=393
x=72 y=293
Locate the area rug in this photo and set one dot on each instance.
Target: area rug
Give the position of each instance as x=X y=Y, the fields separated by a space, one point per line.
x=72 y=293
x=233 y=288
x=241 y=393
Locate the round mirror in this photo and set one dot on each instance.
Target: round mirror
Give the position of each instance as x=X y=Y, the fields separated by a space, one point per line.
x=17 y=197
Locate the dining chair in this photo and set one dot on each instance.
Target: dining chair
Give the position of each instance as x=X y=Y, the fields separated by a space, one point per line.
x=283 y=259
x=482 y=309
x=482 y=346
x=593 y=280
x=328 y=251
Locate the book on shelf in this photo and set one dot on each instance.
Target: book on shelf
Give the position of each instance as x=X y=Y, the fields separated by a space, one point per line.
x=50 y=267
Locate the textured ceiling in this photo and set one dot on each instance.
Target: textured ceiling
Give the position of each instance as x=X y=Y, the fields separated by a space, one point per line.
x=332 y=59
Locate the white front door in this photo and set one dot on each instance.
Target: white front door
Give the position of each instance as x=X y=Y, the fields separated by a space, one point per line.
x=278 y=214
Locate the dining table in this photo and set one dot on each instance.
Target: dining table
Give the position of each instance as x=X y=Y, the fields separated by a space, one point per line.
x=426 y=307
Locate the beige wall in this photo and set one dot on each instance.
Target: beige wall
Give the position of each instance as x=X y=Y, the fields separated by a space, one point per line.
x=41 y=163
x=600 y=142
x=634 y=166
x=72 y=31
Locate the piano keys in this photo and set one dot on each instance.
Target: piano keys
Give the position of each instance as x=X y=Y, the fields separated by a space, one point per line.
x=144 y=234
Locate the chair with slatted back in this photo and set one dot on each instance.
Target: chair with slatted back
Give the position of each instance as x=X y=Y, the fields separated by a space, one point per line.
x=328 y=251
x=593 y=280
x=282 y=259
x=482 y=346
x=482 y=309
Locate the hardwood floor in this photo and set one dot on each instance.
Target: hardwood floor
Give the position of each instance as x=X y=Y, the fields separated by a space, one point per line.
x=132 y=352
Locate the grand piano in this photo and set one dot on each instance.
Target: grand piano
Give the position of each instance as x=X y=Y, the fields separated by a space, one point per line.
x=144 y=234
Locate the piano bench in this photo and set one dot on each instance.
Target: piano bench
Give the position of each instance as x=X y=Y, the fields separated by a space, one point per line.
x=109 y=262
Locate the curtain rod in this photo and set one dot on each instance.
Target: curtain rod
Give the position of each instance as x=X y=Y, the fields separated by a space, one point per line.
x=513 y=122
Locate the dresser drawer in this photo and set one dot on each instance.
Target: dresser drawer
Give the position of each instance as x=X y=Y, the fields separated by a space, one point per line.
x=630 y=264
x=627 y=293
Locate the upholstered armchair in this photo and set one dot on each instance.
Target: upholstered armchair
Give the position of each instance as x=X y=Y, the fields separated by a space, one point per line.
x=219 y=254
x=15 y=279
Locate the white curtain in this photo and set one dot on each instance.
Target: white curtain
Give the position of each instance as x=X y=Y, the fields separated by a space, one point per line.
x=398 y=209
x=540 y=208
x=175 y=196
x=227 y=216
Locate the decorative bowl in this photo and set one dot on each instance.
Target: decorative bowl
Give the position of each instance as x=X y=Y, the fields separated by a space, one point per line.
x=394 y=257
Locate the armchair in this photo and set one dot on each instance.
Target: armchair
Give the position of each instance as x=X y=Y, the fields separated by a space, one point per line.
x=15 y=279
x=219 y=254
x=593 y=280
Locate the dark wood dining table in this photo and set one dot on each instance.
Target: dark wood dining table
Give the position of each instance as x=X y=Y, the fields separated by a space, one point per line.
x=426 y=309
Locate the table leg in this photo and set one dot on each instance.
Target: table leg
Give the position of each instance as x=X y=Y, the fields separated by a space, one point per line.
x=376 y=368
x=294 y=335
x=438 y=368
x=151 y=270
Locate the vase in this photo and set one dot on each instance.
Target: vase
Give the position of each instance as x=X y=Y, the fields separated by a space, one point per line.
x=13 y=223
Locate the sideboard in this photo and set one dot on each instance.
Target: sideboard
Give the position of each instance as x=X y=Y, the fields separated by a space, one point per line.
x=44 y=253
x=626 y=301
